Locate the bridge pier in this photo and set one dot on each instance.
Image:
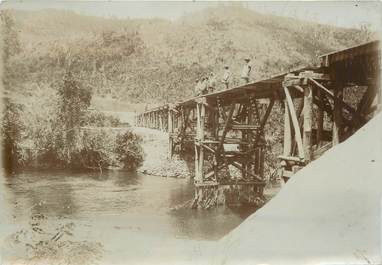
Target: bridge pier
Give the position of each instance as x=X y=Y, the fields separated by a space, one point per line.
x=232 y=138
x=170 y=130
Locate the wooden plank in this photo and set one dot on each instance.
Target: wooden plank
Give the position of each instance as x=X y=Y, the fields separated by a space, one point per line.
x=367 y=99
x=226 y=141
x=320 y=120
x=170 y=130
x=197 y=121
x=208 y=148
x=300 y=89
x=238 y=183
x=207 y=183
x=226 y=127
x=292 y=82
x=291 y=158
x=248 y=173
x=317 y=153
x=308 y=120
x=196 y=160
x=213 y=172
x=244 y=127
x=295 y=123
x=209 y=174
x=264 y=120
x=287 y=173
x=198 y=178
x=201 y=138
x=337 y=116
x=339 y=101
x=287 y=131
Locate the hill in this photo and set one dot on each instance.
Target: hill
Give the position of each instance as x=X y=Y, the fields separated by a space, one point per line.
x=154 y=60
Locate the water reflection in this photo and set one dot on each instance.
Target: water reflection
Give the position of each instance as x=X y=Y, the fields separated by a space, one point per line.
x=121 y=198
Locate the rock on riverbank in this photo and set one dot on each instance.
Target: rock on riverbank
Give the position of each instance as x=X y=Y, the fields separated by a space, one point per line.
x=155 y=146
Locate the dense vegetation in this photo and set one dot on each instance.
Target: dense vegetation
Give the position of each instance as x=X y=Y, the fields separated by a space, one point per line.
x=157 y=61
x=54 y=129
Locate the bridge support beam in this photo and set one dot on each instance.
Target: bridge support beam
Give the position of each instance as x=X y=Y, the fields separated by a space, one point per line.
x=308 y=120
x=170 y=130
x=320 y=120
x=287 y=131
x=337 y=114
x=199 y=150
x=315 y=139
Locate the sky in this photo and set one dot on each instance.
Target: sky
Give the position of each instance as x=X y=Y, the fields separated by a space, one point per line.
x=338 y=13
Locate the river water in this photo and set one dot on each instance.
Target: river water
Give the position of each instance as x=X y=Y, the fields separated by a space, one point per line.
x=137 y=201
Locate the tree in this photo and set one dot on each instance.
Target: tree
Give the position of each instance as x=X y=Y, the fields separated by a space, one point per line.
x=11 y=134
x=74 y=100
x=11 y=44
x=129 y=150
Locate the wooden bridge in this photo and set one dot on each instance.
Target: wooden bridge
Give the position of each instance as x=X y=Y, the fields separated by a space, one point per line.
x=321 y=106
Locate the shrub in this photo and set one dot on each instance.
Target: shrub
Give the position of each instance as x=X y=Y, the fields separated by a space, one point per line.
x=129 y=150
x=97 y=150
x=11 y=128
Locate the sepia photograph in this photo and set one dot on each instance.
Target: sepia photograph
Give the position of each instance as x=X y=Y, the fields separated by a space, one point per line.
x=190 y=132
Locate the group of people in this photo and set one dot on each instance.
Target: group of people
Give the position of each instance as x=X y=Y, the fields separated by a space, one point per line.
x=207 y=84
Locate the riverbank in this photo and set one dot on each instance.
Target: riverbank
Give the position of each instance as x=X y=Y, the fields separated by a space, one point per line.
x=156 y=163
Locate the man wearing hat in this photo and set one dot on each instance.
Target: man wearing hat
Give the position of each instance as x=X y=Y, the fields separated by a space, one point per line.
x=204 y=85
x=197 y=87
x=211 y=82
x=246 y=71
x=226 y=76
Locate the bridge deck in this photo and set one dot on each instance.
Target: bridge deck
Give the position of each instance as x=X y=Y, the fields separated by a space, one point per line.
x=265 y=88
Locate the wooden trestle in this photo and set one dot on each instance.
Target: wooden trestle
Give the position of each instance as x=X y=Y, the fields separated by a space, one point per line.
x=226 y=129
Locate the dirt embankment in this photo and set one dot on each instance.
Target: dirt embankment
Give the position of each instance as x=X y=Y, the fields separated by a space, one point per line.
x=155 y=146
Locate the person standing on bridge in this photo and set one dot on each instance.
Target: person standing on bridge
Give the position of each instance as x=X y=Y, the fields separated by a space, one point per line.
x=211 y=83
x=226 y=76
x=246 y=71
x=197 y=87
x=204 y=86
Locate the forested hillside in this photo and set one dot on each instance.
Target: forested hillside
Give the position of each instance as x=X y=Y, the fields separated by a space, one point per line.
x=155 y=60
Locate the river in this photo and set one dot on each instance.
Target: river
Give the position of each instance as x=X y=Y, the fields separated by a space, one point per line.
x=149 y=203
x=134 y=217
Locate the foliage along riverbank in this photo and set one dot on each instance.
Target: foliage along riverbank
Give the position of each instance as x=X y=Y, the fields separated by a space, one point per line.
x=54 y=128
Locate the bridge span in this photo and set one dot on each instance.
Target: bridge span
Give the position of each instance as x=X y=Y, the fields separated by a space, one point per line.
x=321 y=106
